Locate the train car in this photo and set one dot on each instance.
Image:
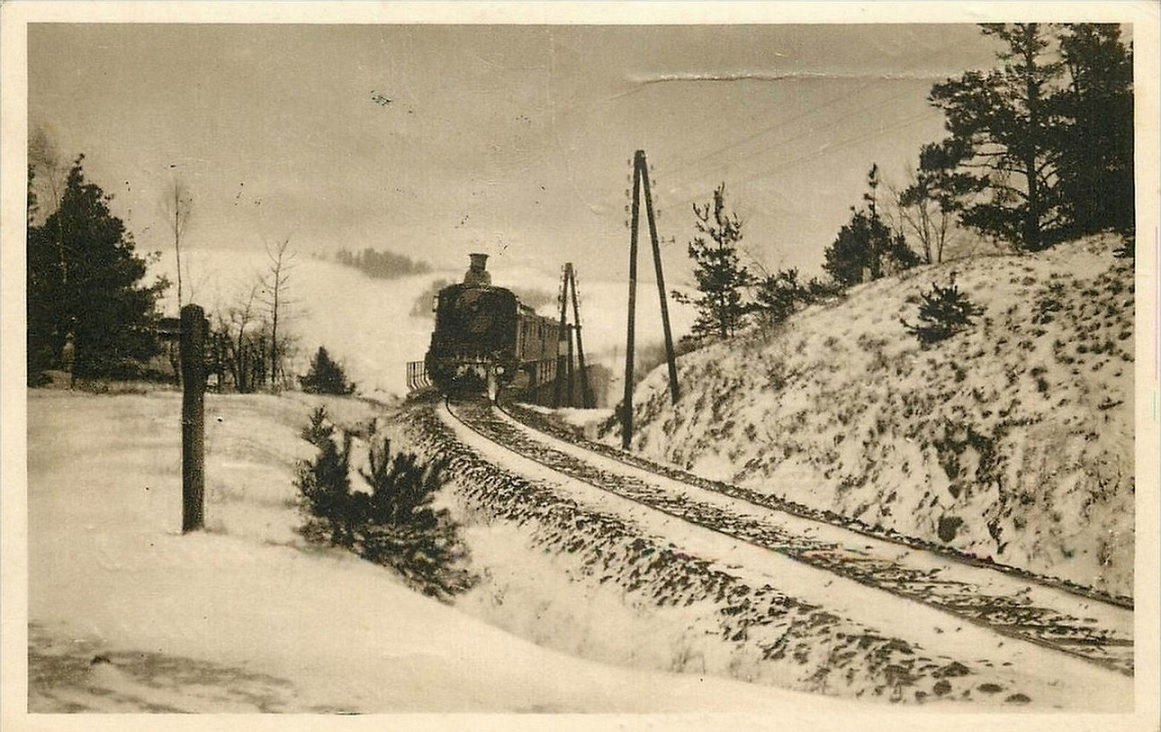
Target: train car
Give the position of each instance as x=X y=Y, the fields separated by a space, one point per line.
x=486 y=339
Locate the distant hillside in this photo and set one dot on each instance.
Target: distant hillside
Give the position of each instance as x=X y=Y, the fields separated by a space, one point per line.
x=1012 y=440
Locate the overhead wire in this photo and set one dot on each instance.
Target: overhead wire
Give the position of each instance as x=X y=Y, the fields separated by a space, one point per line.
x=781 y=124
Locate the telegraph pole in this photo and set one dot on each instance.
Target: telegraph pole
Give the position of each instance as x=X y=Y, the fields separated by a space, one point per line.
x=641 y=180
x=565 y=351
x=587 y=401
x=562 y=367
x=627 y=403
x=669 y=357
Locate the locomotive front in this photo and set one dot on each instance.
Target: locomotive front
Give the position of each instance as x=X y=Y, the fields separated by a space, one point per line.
x=473 y=345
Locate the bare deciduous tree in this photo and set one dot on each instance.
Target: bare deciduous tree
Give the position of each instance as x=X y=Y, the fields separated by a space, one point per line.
x=921 y=212
x=177 y=205
x=274 y=285
x=49 y=170
x=235 y=327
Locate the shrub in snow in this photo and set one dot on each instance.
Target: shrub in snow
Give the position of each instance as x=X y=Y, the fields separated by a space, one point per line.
x=325 y=484
x=403 y=530
x=944 y=312
x=395 y=525
x=780 y=295
x=325 y=376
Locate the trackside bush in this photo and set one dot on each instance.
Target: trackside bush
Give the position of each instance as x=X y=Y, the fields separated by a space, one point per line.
x=394 y=525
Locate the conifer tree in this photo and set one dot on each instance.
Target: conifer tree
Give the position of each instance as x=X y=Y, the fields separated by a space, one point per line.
x=1096 y=159
x=721 y=277
x=84 y=284
x=1006 y=137
x=325 y=376
x=1041 y=149
x=866 y=247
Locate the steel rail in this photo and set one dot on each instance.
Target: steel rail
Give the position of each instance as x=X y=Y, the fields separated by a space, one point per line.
x=811 y=557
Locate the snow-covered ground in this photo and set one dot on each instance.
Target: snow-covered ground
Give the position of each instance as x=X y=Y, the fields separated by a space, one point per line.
x=246 y=617
x=1012 y=440
x=126 y=614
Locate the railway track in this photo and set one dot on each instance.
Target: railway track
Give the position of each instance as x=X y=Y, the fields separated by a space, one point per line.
x=1014 y=606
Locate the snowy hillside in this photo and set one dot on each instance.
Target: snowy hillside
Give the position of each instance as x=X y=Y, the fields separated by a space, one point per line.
x=1012 y=440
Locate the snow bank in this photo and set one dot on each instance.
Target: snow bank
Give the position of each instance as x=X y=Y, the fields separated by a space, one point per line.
x=1013 y=440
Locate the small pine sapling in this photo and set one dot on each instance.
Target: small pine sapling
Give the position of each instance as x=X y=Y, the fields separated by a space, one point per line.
x=325 y=485
x=402 y=489
x=395 y=524
x=404 y=531
x=943 y=312
x=319 y=431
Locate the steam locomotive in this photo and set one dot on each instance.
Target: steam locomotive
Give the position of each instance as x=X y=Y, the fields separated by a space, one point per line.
x=486 y=339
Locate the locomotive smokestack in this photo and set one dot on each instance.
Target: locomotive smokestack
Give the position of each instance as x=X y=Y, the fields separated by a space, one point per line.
x=477 y=273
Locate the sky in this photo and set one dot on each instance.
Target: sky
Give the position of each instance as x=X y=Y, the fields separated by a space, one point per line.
x=511 y=140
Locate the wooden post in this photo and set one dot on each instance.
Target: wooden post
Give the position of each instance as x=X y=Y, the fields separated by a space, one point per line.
x=587 y=401
x=669 y=357
x=193 y=418
x=571 y=372
x=627 y=404
x=561 y=347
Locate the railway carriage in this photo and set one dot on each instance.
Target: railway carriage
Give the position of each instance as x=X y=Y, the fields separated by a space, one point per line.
x=485 y=338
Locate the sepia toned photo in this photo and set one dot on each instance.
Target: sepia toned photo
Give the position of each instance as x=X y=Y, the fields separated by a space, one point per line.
x=633 y=366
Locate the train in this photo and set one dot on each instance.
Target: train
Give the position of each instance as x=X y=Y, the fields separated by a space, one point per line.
x=486 y=340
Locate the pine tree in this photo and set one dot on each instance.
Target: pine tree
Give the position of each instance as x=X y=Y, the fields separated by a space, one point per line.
x=325 y=376
x=325 y=486
x=866 y=248
x=1005 y=138
x=944 y=312
x=1096 y=160
x=721 y=277
x=84 y=284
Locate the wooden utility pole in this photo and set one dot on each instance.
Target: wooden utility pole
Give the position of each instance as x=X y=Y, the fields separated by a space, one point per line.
x=565 y=352
x=562 y=367
x=587 y=401
x=641 y=180
x=669 y=356
x=627 y=403
x=193 y=417
x=571 y=372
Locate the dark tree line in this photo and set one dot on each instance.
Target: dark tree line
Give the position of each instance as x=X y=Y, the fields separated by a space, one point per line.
x=88 y=310
x=381 y=265
x=1040 y=150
